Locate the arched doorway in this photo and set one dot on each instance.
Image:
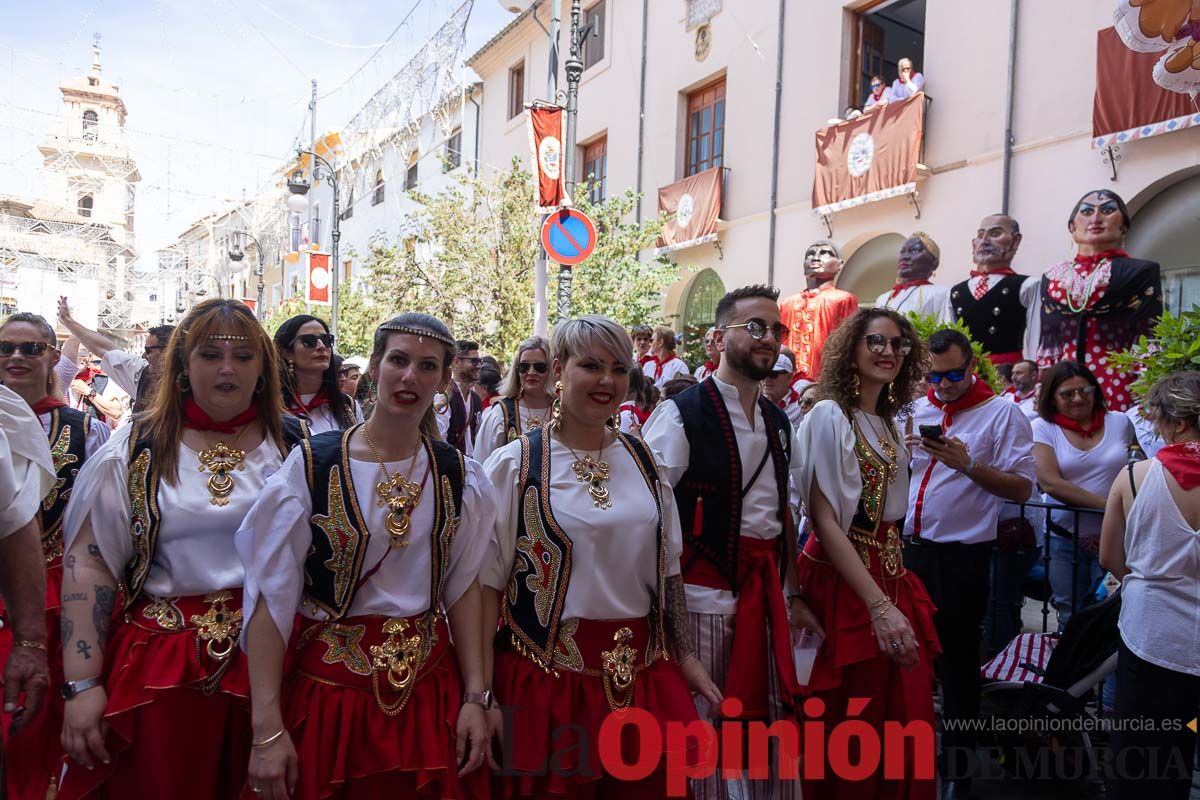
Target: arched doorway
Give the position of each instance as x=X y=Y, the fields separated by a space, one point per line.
x=1164 y=230
x=872 y=269
x=699 y=313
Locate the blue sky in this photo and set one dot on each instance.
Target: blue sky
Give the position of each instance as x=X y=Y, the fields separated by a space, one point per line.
x=217 y=90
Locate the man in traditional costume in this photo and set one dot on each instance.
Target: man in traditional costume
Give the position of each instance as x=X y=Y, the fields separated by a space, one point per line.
x=465 y=405
x=914 y=292
x=811 y=315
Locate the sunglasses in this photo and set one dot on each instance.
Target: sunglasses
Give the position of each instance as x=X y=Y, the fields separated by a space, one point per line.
x=952 y=375
x=877 y=343
x=758 y=328
x=154 y=349
x=876 y=85
x=1083 y=392
x=538 y=366
x=474 y=362
x=807 y=402
x=310 y=340
x=28 y=349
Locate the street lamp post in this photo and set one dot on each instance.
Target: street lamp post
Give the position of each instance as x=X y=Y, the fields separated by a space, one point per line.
x=574 y=70
x=236 y=255
x=299 y=187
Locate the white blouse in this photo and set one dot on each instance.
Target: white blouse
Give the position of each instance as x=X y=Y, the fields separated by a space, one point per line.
x=195 y=553
x=275 y=537
x=826 y=438
x=26 y=468
x=491 y=428
x=614 y=551
x=1091 y=470
x=321 y=419
x=97 y=433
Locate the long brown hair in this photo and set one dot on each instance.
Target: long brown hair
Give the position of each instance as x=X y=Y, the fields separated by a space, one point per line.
x=163 y=418
x=839 y=374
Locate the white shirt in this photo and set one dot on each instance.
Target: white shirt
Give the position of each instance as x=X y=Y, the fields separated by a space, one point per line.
x=1148 y=439
x=97 y=434
x=195 y=553
x=124 y=369
x=947 y=506
x=1028 y=404
x=322 y=419
x=668 y=371
x=66 y=370
x=703 y=371
x=665 y=434
x=827 y=438
x=614 y=551
x=26 y=468
x=274 y=539
x=930 y=301
x=441 y=413
x=492 y=436
x=1159 y=613
x=1092 y=470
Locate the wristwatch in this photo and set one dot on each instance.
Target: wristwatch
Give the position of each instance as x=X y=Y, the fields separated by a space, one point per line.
x=91 y=395
x=72 y=689
x=483 y=698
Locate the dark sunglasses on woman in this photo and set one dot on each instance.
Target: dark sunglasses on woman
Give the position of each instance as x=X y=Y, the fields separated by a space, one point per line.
x=525 y=366
x=877 y=343
x=310 y=340
x=28 y=349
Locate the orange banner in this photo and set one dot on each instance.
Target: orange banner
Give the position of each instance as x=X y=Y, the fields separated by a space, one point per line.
x=693 y=207
x=870 y=158
x=318 y=278
x=546 y=139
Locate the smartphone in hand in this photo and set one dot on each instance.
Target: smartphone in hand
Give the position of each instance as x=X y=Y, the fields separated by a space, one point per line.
x=933 y=432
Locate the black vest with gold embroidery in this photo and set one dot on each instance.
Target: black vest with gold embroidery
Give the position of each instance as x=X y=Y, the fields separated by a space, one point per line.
x=333 y=569
x=68 y=450
x=144 y=516
x=541 y=572
x=512 y=418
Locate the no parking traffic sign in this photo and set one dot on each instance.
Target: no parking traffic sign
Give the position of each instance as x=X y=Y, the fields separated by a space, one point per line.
x=568 y=236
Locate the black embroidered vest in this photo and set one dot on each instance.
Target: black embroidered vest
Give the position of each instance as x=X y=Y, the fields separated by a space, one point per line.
x=68 y=450
x=512 y=418
x=144 y=515
x=541 y=572
x=463 y=416
x=711 y=488
x=333 y=569
x=996 y=320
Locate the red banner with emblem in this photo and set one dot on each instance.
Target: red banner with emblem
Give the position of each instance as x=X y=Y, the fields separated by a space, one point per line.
x=693 y=209
x=318 y=278
x=546 y=137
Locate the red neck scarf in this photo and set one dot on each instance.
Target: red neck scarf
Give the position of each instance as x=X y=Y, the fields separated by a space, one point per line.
x=1183 y=462
x=197 y=418
x=637 y=412
x=47 y=403
x=709 y=368
x=979 y=392
x=979 y=273
x=87 y=373
x=646 y=359
x=1094 y=427
x=902 y=285
x=300 y=408
x=1090 y=262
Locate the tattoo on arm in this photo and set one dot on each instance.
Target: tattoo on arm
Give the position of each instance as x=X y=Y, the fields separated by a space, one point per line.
x=66 y=628
x=94 y=550
x=102 y=611
x=84 y=649
x=70 y=564
x=73 y=596
x=675 y=620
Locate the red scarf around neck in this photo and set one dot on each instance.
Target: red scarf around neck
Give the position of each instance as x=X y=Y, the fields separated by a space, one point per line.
x=47 y=403
x=300 y=408
x=709 y=368
x=1183 y=462
x=902 y=285
x=87 y=373
x=646 y=359
x=1091 y=261
x=197 y=418
x=637 y=412
x=979 y=273
x=1094 y=427
x=979 y=392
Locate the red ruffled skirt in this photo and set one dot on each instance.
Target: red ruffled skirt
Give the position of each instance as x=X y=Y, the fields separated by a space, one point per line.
x=33 y=758
x=347 y=745
x=850 y=666
x=552 y=721
x=179 y=718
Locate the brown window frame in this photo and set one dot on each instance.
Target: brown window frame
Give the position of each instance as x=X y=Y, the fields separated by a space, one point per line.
x=516 y=89
x=597 y=180
x=710 y=98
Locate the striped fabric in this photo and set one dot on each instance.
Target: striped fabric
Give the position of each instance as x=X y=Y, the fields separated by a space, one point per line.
x=1026 y=649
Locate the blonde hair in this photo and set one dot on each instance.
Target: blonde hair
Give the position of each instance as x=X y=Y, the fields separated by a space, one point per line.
x=512 y=381
x=930 y=245
x=1175 y=398
x=667 y=335
x=580 y=337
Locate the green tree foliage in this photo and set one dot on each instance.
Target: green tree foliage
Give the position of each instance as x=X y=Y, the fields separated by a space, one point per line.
x=1174 y=346
x=927 y=325
x=358 y=317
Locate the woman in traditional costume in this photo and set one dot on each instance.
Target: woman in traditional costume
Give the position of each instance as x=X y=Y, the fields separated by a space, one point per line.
x=309 y=378
x=577 y=644
x=28 y=354
x=880 y=640
x=375 y=536
x=1102 y=300
x=524 y=401
x=155 y=513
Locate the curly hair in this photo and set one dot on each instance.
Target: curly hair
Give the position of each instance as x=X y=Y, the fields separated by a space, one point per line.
x=839 y=375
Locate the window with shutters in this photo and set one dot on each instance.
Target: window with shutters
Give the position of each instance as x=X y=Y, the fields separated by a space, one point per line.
x=85 y=205
x=453 y=150
x=377 y=198
x=410 y=175
x=595 y=169
x=705 y=128
x=516 y=90
x=593 y=45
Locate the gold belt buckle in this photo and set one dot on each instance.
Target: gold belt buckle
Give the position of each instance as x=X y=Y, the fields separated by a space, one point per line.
x=620 y=669
x=399 y=657
x=219 y=627
x=890 y=554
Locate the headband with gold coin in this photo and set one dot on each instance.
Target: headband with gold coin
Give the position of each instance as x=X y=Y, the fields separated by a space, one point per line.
x=411 y=331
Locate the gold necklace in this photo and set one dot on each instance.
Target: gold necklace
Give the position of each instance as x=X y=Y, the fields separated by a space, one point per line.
x=397 y=494
x=533 y=423
x=889 y=450
x=592 y=471
x=222 y=460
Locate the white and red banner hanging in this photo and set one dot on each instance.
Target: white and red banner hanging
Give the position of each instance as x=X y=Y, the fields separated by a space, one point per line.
x=546 y=137
x=318 y=278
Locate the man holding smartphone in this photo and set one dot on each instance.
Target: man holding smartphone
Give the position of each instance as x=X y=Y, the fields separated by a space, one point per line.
x=974 y=451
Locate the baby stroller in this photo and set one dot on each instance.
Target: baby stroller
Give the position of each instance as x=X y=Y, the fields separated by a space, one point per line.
x=1040 y=693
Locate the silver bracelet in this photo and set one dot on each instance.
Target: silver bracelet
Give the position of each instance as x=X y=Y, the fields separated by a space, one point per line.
x=971 y=465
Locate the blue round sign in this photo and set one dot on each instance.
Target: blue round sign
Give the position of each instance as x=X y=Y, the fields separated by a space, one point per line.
x=568 y=236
